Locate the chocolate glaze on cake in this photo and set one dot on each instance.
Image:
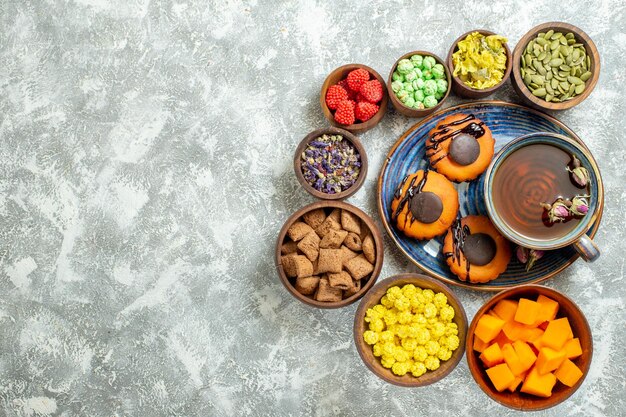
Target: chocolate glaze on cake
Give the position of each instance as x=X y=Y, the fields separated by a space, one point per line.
x=425 y=206
x=448 y=131
x=478 y=249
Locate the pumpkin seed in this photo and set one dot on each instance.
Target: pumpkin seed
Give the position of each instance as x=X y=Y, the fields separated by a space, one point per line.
x=564 y=85
x=577 y=44
x=575 y=80
x=564 y=73
x=527 y=79
x=549 y=97
x=549 y=75
x=563 y=41
x=556 y=62
x=541 y=41
x=571 y=89
x=564 y=50
x=549 y=34
x=541 y=56
x=549 y=88
x=585 y=76
x=588 y=62
x=564 y=67
x=554 y=44
x=579 y=89
x=537 y=79
x=569 y=35
x=523 y=63
x=576 y=54
x=554 y=83
x=539 y=92
x=571 y=41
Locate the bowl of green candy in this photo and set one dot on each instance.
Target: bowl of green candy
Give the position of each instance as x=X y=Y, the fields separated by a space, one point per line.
x=418 y=83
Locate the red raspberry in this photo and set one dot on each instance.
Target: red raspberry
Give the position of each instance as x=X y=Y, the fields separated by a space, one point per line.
x=365 y=111
x=345 y=112
x=356 y=78
x=351 y=94
x=334 y=95
x=372 y=91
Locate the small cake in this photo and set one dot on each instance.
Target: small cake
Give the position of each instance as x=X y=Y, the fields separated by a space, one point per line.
x=424 y=205
x=475 y=251
x=460 y=147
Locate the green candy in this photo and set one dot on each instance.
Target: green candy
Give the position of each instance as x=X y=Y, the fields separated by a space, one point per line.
x=430 y=88
x=407 y=86
x=404 y=66
x=418 y=84
x=427 y=74
x=442 y=86
x=429 y=62
x=419 y=95
x=438 y=71
x=402 y=95
x=418 y=105
x=430 y=101
x=418 y=72
x=410 y=102
x=397 y=76
x=417 y=60
x=396 y=86
x=410 y=76
x=439 y=95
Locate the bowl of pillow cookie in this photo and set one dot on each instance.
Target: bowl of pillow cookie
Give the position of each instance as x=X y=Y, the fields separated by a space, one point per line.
x=329 y=254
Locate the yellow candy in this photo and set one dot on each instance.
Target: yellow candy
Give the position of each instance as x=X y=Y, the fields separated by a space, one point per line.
x=411 y=330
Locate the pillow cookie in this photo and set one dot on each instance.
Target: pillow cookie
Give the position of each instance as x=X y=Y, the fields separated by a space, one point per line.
x=475 y=251
x=460 y=147
x=424 y=205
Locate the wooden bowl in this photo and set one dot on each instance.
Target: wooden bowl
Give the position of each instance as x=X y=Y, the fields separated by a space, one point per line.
x=365 y=351
x=408 y=111
x=523 y=91
x=378 y=245
x=297 y=163
x=462 y=90
x=519 y=400
x=341 y=73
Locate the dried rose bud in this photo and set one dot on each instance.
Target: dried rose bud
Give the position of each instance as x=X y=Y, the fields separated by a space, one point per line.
x=580 y=205
x=575 y=162
x=522 y=254
x=533 y=256
x=557 y=211
x=580 y=176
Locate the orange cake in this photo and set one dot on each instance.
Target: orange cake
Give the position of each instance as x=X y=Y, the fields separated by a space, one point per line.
x=475 y=251
x=460 y=147
x=424 y=205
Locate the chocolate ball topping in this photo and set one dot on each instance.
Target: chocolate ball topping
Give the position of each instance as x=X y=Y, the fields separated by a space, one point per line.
x=464 y=149
x=479 y=249
x=426 y=207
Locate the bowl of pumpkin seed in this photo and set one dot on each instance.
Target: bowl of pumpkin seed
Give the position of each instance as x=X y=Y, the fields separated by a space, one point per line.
x=556 y=66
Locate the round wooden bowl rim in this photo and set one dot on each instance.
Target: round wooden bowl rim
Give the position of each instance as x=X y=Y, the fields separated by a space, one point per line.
x=487 y=91
x=513 y=293
x=370 y=300
x=356 y=127
x=378 y=244
x=297 y=163
x=454 y=281
x=592 y=52
x=408 y=111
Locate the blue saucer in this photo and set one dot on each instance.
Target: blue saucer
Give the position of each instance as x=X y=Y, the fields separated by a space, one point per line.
x=507 y=121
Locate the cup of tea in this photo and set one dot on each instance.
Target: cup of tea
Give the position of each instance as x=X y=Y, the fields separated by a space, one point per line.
x=544 y=191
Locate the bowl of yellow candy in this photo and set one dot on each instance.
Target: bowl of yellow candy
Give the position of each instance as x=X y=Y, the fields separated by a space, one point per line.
x=410 y=330
x=480 y=63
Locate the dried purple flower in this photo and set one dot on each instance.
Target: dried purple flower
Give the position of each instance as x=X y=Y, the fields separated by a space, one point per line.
x=580 y=205
x=578 y=174
x=331 y=164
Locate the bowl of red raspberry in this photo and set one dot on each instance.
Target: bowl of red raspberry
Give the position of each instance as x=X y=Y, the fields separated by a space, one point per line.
x=354 y=98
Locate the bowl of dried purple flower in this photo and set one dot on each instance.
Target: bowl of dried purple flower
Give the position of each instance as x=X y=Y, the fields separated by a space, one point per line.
x=330 y=163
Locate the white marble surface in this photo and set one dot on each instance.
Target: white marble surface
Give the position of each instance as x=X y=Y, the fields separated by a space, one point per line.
x=145 y=171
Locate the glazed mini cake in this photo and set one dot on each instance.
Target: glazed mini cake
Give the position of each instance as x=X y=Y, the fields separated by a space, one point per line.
x=475 y=251
x=460 y=147
x=424 y=205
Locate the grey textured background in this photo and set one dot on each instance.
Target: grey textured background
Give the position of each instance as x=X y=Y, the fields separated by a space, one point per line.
x=145 y=170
